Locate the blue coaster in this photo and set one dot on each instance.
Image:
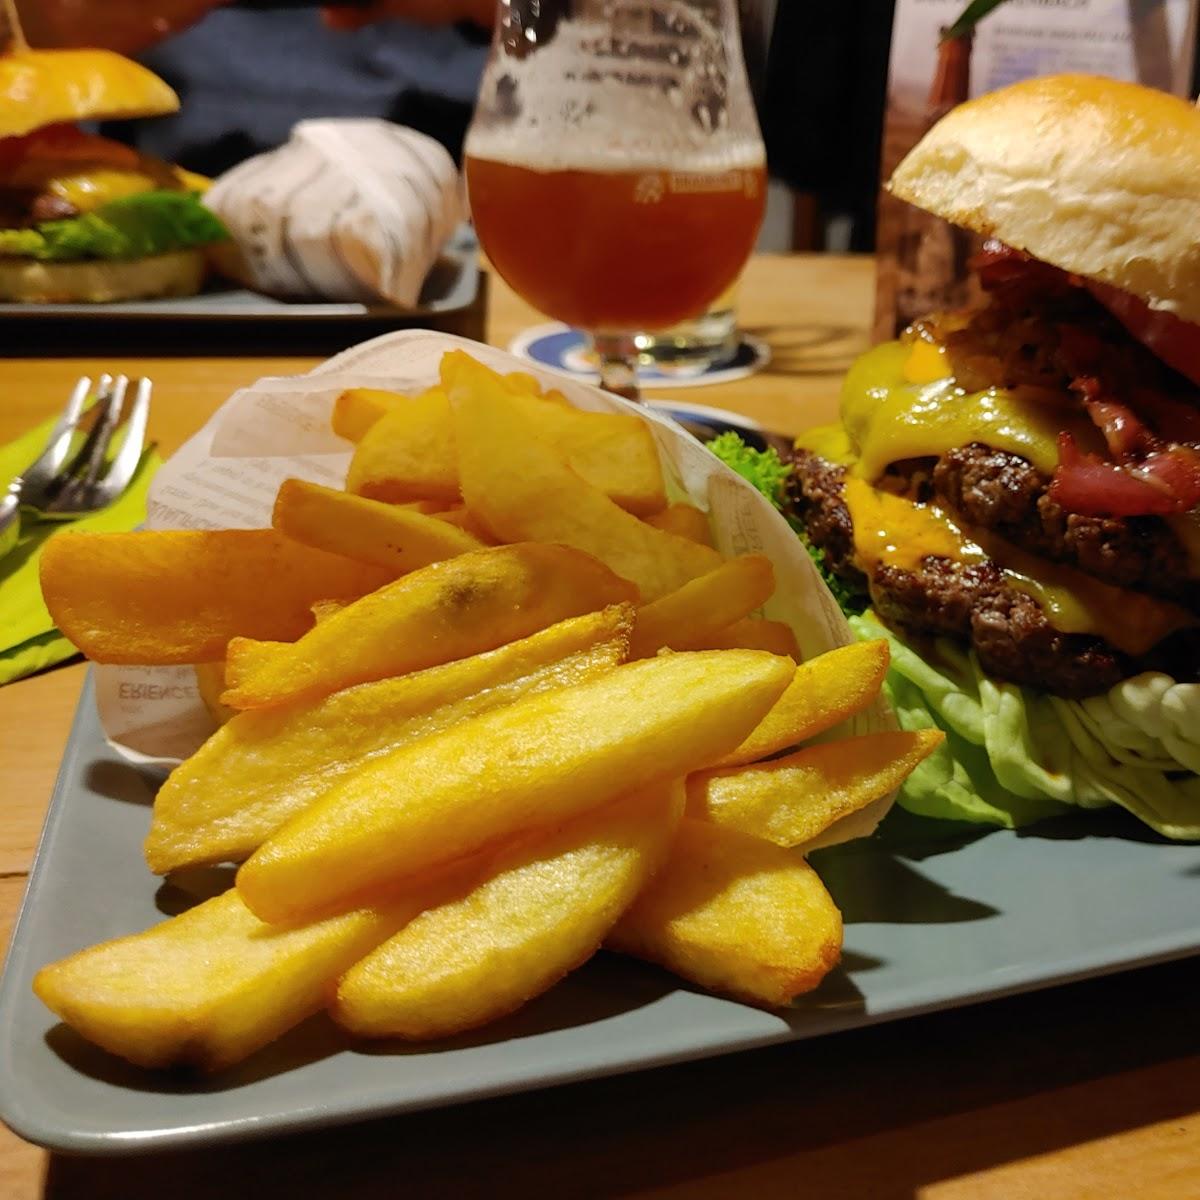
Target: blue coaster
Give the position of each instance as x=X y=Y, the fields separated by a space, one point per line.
x=567 y=351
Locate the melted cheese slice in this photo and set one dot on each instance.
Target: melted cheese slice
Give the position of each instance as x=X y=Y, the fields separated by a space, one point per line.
x=892 y=410
x=892 y=530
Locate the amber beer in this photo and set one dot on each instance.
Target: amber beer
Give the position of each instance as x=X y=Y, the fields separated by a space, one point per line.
x=617 y=250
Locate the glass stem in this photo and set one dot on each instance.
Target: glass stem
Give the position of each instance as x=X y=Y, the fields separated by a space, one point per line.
x=618 y=356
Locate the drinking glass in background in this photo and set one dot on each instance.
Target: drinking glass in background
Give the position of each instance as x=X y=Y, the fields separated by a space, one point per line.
x=615 y=167
x=697 y=344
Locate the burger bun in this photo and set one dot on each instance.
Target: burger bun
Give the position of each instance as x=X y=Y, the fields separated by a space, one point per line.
x=23 y=281
x=1095 y=176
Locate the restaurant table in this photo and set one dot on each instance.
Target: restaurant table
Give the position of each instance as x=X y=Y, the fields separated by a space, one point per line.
x=1088 y=1090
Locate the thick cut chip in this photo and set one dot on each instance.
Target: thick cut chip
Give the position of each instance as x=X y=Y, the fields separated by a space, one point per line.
x=520 y=487
x=688 y=618
x=177 y=596
x=543 y=909
x=356 y=410
x=443 y=612
x=755 y=633
x=322 y=611
x=262 y=768
x=395 y=538
x=737 y=915
x=614 y=452
x=540 y=761
x=210 y=683
x=686 y=520
x=410 y=449
x=211 y=986
x=244 y=656
x=791 y=800
x=824 y=692
x=408 y=453
x=461 y=516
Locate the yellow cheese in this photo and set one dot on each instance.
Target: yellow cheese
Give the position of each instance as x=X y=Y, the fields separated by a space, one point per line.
x=88 y=190
x=1077 y=603
x=890 y=417
x=831 y=442
x=926 y=362
x=892 y=530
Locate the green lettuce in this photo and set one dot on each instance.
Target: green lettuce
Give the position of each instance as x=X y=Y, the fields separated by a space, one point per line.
x=133 y=227
x=769 y=474
x=1012 y=755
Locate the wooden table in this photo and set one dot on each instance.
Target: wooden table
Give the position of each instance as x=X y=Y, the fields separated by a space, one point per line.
x=1087 y=1091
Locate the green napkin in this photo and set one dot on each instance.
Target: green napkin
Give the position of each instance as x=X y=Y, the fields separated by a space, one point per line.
x=28 y=640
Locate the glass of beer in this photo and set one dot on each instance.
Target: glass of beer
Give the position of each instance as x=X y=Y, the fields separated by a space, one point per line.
x=615 y=167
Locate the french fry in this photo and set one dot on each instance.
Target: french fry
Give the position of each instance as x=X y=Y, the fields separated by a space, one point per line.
x=245 y=656
x=791 y=800
x=689 y=616
x=520 y=488
x=461 y=516
x=542 y=910
x=685 y=520
x=356 y=410
x=322 y=611
x=262 y=768
x=397 y=539
x=210 y=683
x=443 y=612
x=177 y=596
x=212 y=985
x=408 y=453
x=735 y=914
x=755 y=633
x=539 y=761
x=823 y=693
x=614 y=452
x=522 y=381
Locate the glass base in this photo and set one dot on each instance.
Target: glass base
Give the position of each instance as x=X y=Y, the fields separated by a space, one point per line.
x=709 y=341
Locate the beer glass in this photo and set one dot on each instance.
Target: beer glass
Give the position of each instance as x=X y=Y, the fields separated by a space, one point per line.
x=615 y=167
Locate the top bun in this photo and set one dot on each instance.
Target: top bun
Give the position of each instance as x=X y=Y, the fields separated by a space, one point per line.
x=44 y=87
x=1095 y=176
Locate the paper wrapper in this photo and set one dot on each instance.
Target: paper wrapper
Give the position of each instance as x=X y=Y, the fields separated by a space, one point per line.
x=227 y=475
x=351 y=210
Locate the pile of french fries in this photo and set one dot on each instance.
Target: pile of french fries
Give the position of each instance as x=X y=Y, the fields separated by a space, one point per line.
x=492 y=707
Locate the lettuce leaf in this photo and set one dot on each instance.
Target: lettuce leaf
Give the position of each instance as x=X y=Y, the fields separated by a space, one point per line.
x=1013 y=755
x=133 y=227
x=769 y=474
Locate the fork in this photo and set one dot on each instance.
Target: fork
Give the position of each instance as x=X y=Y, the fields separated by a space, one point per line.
x=60 y=486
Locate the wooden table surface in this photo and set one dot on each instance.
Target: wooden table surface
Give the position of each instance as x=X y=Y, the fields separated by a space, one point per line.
x=1091 y=1090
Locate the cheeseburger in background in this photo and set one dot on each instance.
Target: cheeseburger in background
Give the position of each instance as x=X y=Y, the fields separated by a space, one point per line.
x=1014 y=489
x=84 y=218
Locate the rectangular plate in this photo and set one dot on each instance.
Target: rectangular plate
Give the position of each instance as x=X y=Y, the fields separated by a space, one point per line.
x=932 y=921
x=450 y=286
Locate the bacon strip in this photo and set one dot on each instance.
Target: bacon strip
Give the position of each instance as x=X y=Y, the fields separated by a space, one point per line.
x=1167 y=481
x=1124 y=432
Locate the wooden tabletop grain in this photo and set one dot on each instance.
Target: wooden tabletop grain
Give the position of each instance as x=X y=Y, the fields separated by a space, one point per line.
x=1086 y=1091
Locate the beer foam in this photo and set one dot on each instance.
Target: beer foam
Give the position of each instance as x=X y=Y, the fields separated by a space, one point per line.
x=570 y=104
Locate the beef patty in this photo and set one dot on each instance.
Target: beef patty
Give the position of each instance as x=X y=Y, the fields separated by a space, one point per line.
x=1005 y=494
x=973 y=603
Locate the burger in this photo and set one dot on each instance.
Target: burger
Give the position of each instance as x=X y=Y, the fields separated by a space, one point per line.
x=1012 y=495
x=83 y=217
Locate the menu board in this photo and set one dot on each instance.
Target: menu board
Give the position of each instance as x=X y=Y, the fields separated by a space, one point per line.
x=1150 y=41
